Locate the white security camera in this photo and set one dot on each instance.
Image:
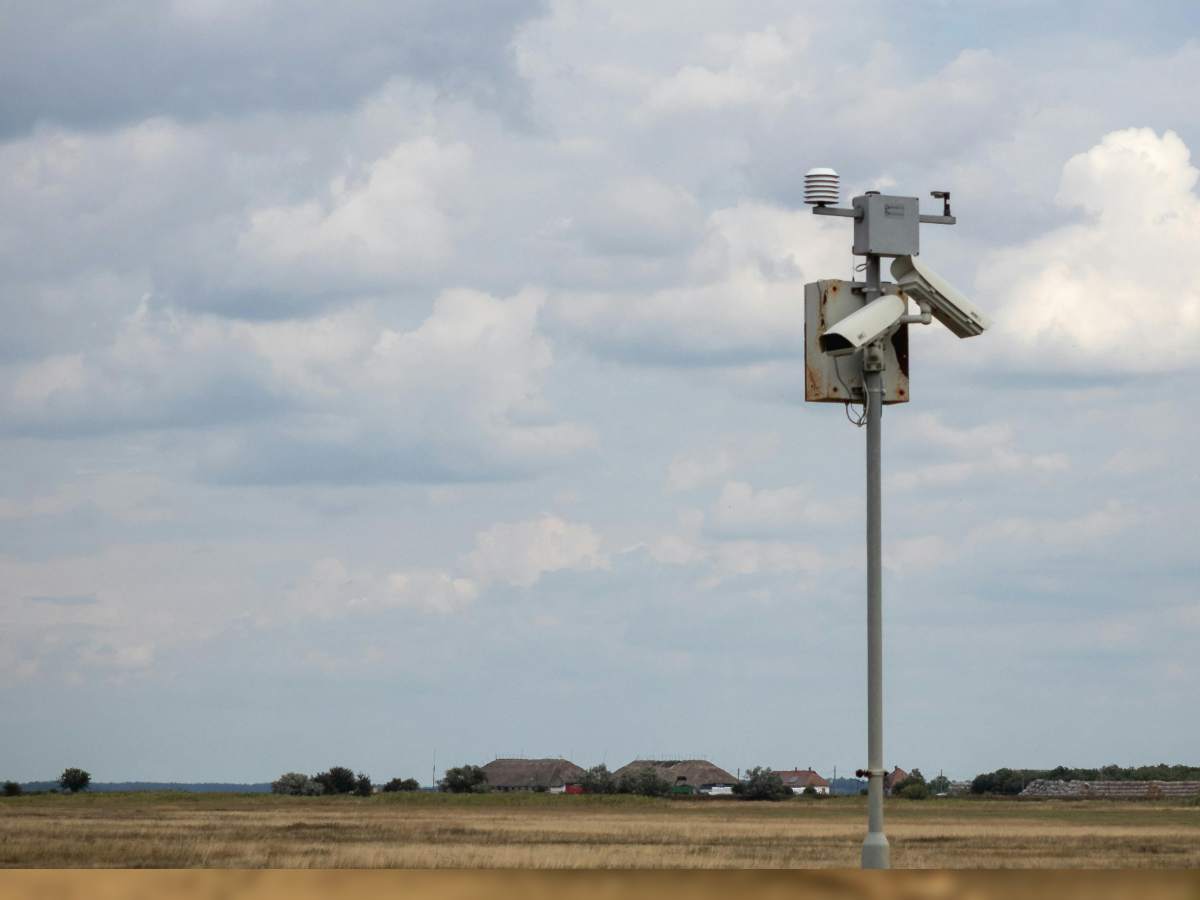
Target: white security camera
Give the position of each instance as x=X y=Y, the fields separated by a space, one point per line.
x=932 y=292
x=863 y=326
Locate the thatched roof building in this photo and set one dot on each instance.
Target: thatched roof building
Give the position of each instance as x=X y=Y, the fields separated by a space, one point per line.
x=696 y=773
x=531 y=774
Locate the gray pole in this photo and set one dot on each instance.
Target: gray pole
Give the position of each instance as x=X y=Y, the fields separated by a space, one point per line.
x=875 y=851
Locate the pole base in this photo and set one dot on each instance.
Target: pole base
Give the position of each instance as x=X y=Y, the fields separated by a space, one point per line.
x=876 y=854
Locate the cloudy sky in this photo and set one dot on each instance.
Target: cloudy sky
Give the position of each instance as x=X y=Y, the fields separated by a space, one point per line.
x=423 y=380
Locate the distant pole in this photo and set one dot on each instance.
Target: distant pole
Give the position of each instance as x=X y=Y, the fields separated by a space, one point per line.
x=875 y=850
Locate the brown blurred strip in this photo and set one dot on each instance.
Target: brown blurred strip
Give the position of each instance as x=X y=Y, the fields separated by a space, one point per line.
x=499 y=885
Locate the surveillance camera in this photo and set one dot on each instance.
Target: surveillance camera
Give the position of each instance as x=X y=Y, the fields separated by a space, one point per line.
x=863 y=326
x=930 y=290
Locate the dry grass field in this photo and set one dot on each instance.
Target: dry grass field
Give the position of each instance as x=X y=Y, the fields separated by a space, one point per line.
x=557 y=832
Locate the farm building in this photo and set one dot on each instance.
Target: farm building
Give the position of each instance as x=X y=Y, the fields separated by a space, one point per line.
x=893 y=778
x=697 y=774
x=532 y=774
x=799 y=779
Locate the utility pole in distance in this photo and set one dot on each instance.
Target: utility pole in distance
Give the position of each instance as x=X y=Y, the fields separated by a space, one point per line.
x=856 y=351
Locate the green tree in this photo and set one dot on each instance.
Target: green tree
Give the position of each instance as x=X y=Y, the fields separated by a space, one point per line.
x=296 y=784
x=464 y=780
x=74 y=780
x=762 y=784
x=401 y=784
x=12 y=789
x=1002 y=781
x=338 y=780
x=362 y=785
x=645 y=782
x=911 y=788
x=939 y=785
x=598 y=780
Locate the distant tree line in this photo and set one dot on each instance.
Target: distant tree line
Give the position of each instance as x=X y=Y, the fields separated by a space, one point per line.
x=336 y=780
x=596 y=780
x=72 y=780
x=464 y=780
x=763 y=784
x=1006 y=781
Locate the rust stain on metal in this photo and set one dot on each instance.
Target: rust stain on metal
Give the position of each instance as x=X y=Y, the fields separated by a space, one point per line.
x=812 y=385
x=824 y=382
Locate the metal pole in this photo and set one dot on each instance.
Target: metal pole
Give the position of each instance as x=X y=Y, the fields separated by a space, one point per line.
x=875 y=851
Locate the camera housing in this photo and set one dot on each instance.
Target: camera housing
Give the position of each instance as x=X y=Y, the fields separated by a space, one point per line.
x=863 y=326
x=931 y=291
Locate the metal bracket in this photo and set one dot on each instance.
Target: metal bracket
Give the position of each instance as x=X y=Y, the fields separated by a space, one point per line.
x=946 y=218
x=873 y=357
x=924 y=318
x=885 y=287
x=848 y=213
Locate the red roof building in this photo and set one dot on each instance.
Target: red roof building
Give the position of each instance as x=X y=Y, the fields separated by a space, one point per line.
x=799 y=779
x=893 y=778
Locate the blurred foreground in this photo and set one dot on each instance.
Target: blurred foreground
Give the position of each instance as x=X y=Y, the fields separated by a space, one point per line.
x=832 y=885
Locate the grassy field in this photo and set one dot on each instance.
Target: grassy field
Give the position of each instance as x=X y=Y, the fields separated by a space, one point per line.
x=550 y=832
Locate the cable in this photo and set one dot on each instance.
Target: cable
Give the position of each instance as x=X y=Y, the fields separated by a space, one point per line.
x=859 y=422
x=862 y=420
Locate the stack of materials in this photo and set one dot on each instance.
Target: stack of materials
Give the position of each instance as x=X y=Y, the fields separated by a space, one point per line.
x=1110 y=790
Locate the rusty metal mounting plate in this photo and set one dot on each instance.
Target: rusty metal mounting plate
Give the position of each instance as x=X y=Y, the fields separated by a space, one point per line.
x=835 y=380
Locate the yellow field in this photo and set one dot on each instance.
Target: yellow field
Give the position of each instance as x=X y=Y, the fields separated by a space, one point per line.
x=558 y=832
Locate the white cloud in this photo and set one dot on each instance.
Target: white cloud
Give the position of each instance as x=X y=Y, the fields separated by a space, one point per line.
x=741 y=510
x=673 y=550
x=393 y=223
x=371 y=248
x=436 y=592
x=921 y=552
x=520 y=553
x=457 y=397
x=1083 y=530
x=126 y=497
x=331 y=590
x=760 y=71
x=742 y=300
x=688 y=472
x=984 y=450
x=746 y=557
x=640 y=216
x=1107 y=295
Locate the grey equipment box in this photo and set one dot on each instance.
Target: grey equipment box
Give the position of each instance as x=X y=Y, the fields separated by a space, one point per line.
x=887 y=226
x=829 y=379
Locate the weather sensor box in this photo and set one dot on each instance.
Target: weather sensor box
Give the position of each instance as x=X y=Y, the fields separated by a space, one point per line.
x=887 y=226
